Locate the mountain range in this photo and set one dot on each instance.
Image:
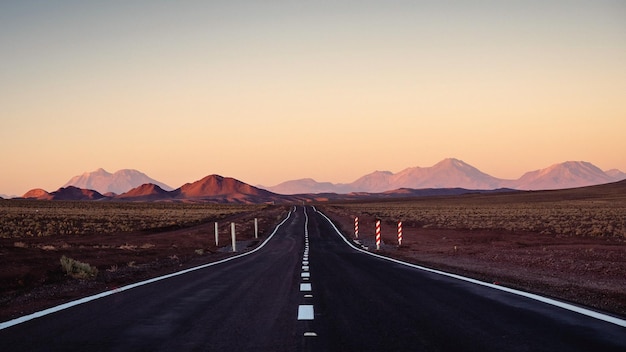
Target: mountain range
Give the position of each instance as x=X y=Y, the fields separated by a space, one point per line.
x=454 y=173
x=450 y=176
x=213 y=188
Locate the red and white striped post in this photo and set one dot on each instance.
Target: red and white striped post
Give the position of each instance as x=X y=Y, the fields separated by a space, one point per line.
x=377 y=235
x=356 y=227
x=399 y=233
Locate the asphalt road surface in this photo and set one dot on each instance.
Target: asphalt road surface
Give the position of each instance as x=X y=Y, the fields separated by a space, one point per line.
x=306 y=289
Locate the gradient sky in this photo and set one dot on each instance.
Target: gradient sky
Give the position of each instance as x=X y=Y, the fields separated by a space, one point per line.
x=268 y=91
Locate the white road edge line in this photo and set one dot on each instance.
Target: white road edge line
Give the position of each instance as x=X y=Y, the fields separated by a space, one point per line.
x=42 y=313
x=550 y=301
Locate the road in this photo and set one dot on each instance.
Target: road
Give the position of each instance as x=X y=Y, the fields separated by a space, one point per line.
x=306 y=289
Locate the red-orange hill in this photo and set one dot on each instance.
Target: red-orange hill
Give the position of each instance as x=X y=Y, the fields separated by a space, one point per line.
x=63 y=193
x=145 y=192
x=215 y=185
x=213 y=188
x=223 y=189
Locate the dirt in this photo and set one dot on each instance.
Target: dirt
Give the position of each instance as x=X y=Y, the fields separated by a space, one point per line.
x=584 y=270
x=588 y=271
x=32 y=278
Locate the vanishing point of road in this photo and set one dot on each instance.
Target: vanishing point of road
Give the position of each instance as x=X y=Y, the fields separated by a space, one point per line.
x=307 y=289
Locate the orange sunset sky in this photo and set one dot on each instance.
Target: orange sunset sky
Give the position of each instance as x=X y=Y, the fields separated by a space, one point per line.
x=268 y=91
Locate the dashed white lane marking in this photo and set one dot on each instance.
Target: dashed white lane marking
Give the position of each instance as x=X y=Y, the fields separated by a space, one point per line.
x=305 y=312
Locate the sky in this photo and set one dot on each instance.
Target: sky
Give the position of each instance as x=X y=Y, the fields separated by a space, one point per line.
x=270 y=91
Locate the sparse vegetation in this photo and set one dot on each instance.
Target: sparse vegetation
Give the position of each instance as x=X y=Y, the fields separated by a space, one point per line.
x=78 y=270
x=28 y=218
x=509 y=213
x=20 y=244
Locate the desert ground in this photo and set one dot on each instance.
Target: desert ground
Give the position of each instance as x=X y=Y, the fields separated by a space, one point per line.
x=124 y=252
x=568 y=244
x=564 y=244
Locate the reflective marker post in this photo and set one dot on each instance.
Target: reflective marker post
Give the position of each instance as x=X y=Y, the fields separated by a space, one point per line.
x=377 y=235
x=399 y=233
x=232 y=235
x=217 y=238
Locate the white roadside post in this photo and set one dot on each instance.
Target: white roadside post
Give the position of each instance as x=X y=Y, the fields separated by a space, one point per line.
x=377 y=235
x=356 y=227
x=232 y=235
x=256 y=228
x=217 y=238
x=399 y=233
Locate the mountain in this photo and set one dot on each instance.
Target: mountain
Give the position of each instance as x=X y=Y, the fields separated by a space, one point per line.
x=616 y=174
x=146 y=192
x=224 y=189
x=570 y=174
x=377 y=181
x=74 y=193
x=213 y=188
x=37 y=193
x=119 y=182
x=305 y=185
x=448 y=173
x=454 y=173
x=63 y=193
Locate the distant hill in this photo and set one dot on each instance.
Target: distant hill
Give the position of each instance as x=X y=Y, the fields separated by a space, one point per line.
x=212 y=188
x=146 y=192
x=119 y=182
x=224 y=189
x=616 y=174
x=37 y=193
x=63 y=193
x=305 y=185
x=570 y=174
x=448 y=173
x=454 y=173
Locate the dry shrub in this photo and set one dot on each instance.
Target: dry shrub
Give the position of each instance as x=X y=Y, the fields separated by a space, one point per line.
x=20 y=244
x=78 y=270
